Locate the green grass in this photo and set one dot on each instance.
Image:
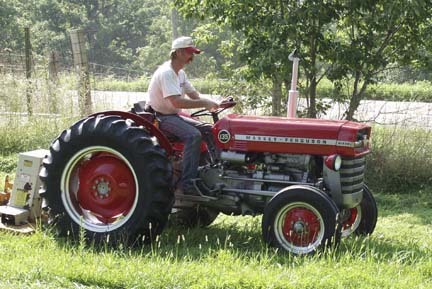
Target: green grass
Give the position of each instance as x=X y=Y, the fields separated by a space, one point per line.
x=231 y=254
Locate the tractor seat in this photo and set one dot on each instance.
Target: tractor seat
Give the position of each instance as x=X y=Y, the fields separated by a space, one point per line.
x=145 y=111
x=140 y=108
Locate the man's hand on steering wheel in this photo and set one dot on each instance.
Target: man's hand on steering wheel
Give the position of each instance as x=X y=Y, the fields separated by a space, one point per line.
x=211 y=105
x=211 y=111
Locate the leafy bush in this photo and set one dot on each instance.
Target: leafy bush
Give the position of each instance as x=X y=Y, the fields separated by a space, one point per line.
x=401 y=159
x=8 y=164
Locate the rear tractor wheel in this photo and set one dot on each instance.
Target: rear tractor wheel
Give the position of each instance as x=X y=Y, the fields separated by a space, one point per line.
x=105 y=176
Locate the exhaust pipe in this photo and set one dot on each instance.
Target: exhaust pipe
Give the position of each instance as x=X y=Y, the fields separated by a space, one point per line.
x=293 y=93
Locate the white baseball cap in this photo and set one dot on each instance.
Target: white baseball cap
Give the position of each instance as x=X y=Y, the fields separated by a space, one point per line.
x=185 y=42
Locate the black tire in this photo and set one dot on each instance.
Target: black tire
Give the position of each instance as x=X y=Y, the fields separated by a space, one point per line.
x=301 y=220
x=363 y=218
x=193 y=217
x=105 y=176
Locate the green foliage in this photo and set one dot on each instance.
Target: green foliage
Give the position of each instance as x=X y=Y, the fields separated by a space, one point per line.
x=11 y=36
x=8 y=164
x=400 y=160
x=352 y=42
x=418 y=91
x=269 y=31
x=375 y=35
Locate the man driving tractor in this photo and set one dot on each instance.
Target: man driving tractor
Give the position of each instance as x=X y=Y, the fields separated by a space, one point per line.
x=167 y=90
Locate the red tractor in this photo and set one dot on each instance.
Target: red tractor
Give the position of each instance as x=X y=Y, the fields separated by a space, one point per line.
x=113 y=175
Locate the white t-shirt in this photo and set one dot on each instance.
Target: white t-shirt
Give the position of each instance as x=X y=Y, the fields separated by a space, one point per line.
x=165 y=82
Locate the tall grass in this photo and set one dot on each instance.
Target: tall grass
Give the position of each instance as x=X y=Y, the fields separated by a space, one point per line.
x=401 y=159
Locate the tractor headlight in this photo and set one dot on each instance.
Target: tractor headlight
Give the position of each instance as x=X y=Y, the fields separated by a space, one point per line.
x=333 y=162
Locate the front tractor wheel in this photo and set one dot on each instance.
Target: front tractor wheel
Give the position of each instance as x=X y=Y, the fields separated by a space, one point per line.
x=362 y=219
x=104 y=175
x=301 y=220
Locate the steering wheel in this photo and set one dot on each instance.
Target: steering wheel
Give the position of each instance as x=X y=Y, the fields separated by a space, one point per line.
x=225 y=104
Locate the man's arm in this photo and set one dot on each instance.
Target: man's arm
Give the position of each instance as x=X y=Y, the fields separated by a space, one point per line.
x=193 y=95
x=179 y=102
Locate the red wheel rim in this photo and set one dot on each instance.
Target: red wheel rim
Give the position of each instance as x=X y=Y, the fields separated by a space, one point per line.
x=301 y=227
x=351 y=220
x=106 y=187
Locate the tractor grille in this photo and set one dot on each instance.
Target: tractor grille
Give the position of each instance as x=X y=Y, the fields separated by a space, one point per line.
x=352 y=175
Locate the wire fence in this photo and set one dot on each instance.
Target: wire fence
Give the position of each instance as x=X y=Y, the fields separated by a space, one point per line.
x=53 y=85
x=53 y=92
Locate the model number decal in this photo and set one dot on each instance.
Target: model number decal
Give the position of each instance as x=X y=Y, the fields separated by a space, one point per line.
x=224 y=136
x=293 y=140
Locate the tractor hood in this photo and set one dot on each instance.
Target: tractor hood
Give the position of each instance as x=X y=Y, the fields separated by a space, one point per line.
x=292 y=135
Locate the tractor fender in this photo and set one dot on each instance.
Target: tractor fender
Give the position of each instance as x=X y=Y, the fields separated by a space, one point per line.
x=141 y=121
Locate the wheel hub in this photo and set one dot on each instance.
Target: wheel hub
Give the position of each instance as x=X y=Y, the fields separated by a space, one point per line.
x=102 y=188
x=299 y=227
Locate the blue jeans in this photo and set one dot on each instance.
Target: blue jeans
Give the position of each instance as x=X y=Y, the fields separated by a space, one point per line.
x=191 y=132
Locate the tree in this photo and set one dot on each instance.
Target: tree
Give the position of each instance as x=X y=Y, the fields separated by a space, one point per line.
x=116 y=29
x=9 y=28
x=271 y=29
x=373 y=36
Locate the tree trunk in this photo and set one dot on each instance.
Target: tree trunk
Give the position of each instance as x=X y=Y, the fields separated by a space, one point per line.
x=312 y=78
x=276 y=96
x=312 y=97
x=356 y=96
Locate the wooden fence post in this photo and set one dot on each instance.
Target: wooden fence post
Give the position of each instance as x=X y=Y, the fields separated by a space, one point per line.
x=81 y=63
x=53 y=66
x=52 y=81
x=28 y=62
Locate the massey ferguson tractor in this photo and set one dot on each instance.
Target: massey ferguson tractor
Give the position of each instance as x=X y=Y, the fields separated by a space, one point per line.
x=113 y=175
